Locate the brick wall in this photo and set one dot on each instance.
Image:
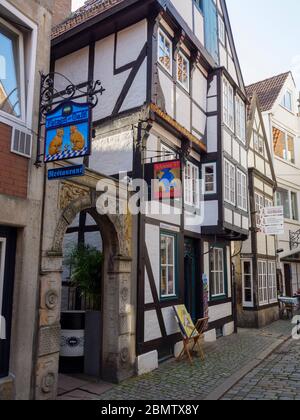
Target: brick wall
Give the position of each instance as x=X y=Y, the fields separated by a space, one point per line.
x=62 y=9
x=13 y=168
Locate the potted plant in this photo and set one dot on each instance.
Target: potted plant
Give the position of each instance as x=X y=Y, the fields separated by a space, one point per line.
x=81 y=330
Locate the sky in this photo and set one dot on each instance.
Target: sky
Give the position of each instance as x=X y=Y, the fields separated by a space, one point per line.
x=267 y=34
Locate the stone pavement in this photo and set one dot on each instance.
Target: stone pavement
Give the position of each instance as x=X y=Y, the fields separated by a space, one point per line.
x=276 y=378
x=182 y=381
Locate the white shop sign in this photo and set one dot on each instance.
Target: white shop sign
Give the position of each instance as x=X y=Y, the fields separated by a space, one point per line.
x=272 y=220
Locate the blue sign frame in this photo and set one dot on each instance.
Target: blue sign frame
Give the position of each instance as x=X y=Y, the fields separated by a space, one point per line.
x=68 y=132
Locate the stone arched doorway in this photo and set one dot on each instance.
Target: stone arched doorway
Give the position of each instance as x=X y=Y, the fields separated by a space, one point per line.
x=118 y=348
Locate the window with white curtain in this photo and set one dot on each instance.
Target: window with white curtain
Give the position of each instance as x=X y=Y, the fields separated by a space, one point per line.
x=228 y=104
x=168 y=263
x=191 y=185
x=217 y=274
x=242 y=191
x=229 y=182
x=247 y=274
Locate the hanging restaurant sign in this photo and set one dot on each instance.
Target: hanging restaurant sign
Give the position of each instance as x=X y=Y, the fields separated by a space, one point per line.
x=167 y=177
x=68 y=132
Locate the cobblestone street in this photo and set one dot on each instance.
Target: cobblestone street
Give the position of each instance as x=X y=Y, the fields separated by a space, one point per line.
x=277 y=378
x=211 y=379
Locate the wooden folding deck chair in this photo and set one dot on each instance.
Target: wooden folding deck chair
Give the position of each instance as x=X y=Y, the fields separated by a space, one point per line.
x=191 y=335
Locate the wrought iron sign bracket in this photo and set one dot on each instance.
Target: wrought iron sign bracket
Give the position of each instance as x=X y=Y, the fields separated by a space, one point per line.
x=51 y=97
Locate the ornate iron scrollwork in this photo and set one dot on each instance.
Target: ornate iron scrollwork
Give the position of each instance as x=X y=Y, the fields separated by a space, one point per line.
x=50 y=97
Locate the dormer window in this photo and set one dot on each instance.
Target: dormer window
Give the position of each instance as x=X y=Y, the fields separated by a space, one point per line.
x=287 y=101
x=165 y=51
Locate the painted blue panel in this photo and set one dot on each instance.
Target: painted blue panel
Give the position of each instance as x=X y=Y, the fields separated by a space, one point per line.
x=211 y=28
x=68 y=132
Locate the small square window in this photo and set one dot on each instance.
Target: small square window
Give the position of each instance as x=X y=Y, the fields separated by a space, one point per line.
x=209 y=178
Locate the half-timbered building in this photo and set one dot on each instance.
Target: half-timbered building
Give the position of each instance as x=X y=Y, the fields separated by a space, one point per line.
x=255 y=260
x=278 y=97
x=174 y=91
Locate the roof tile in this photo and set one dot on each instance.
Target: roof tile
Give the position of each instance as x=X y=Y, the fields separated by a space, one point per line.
x=90 y=9
x=267 y=90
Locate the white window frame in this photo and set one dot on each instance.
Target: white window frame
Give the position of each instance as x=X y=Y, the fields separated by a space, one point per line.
x=166 y=37
x=240 y=119
x=30 y=66
x=263 y=283
x=187 y=88
x=259 y=146
x=2 y=269
x=242 y=190
x=222 y=31
x=166 y=153
x=191 y=185
x=229 y=183
x=167 y=266
x=286 y=149
x=217 y=271
x=20 y=73
x=228 y=104
x=247 y=304
x=204 y=167
x=259 y=205
x=283 y=102
x=272 y=282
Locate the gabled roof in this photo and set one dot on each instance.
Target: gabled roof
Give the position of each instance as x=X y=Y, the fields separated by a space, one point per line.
x=90 y=9
x=268 y=90
x=255 y=106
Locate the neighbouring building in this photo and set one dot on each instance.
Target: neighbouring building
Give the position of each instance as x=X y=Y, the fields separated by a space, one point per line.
x=278 y=97
x=174 y=91
x=25 y=29
x=256 y=259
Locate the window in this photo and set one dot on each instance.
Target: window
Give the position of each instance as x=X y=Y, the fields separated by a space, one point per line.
x=183 y=71
x=211 y=28
x=268 y=202
x=240 y=119
x=167 y=153
x=247 y=274
x=229 y=182
x=263 y=283
x=167 y=265
x=217 y=280
x=209 y=176
x=258 y=143
x=242 y=191
x=222 y=33
x=287 y=101
x=165 y=51
x=289 y=201
x=259 y=205
x=283 y=144
x=294 y=206
x=228 y=104
x=11 y=70
x=272 y=282
x=191 y=185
